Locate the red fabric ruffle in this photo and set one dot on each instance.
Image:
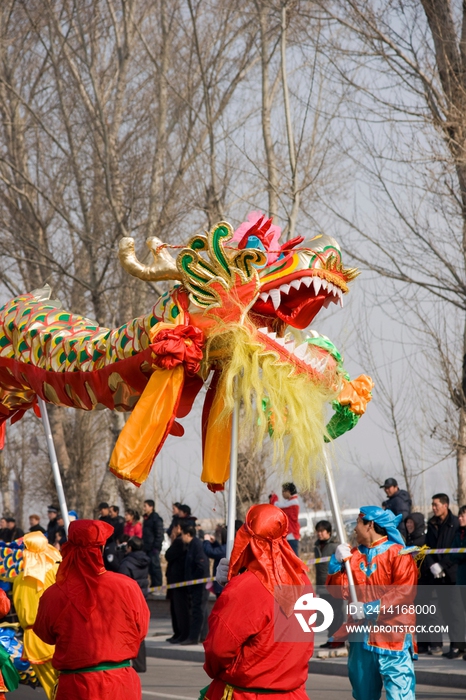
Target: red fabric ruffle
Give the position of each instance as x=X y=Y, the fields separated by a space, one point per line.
x=179 y=345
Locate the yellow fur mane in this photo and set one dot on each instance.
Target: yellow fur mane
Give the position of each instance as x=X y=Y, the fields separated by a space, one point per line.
x=298 y=404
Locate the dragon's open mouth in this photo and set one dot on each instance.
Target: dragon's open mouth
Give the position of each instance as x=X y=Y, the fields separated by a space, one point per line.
x=298 y=298
x=304 y=356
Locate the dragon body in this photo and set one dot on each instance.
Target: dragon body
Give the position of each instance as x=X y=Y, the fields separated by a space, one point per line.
x=234 y=318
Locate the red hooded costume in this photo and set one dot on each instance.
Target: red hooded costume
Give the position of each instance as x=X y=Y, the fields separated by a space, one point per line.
x=95 y=618
x=242 y=653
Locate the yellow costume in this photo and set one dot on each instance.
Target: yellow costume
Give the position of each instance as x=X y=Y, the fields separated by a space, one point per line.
x=40 y=570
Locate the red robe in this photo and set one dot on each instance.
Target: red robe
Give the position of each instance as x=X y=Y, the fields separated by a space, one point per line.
x=113 y=633
x=240 y=648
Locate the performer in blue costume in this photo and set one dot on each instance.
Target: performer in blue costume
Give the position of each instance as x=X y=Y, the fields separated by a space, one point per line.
x=386 y=583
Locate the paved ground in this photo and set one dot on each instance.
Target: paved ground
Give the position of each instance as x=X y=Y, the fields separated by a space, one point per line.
x=181 y=680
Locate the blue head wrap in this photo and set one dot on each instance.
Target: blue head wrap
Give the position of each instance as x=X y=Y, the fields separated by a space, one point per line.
x=73 y=512
x=386 y=519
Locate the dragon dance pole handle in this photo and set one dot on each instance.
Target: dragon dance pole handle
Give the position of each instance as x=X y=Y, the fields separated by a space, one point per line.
x=54 y=462
x=233 y=473
x=332 y=492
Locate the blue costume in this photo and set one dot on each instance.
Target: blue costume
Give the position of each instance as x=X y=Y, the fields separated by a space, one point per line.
x=386 y=584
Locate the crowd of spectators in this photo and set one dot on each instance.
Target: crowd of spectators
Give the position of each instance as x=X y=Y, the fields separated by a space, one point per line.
x=442 y=580
x=135 y=547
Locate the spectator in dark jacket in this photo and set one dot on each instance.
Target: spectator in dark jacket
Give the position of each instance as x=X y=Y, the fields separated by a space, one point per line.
x=185 y=512
x=176 y=514
x=113 y=554
x=196 y=567
x=104 y=512
x=416 y=537
x=3 y=529
x=12 y=532
x=441 y=572
x=34 y=524
x=216 y=550
x=459 y=541
x=398 y=501
x=52 y=527
x=136 y=565
x=415 y=525
x=118 y=523
x=459 y=559
x=325 y=547
x=60 y=535
x=152 y=537
x=178 y=597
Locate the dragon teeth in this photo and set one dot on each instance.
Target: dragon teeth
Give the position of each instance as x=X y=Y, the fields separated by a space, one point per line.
x=307 y=281
x=264 y=296
x=324 y=284
x=317 y=284
x=301 y=351
x=276 y=298
x=284 y=289
x=295 y=284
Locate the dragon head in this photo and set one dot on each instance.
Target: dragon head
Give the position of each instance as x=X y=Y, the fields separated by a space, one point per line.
x=243 y=289
x=231 y=276
x=296 y=282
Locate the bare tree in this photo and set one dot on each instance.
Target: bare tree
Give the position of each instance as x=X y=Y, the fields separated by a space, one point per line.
x=120 y=117
x=405 y=64
x=254 y=472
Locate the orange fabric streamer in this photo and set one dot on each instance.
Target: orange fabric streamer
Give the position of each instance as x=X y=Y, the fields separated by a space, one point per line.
x=357 y=394
x=149 y=424
x=216 y=452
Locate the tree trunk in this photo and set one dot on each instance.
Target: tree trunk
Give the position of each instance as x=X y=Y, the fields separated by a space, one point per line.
x=272 y=178
x=461 y=441
x=5 y=486
x=293 y=216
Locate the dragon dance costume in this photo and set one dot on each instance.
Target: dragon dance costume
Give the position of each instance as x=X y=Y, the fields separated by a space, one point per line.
x=9 y=677
x=385 y=582
x=40 y=570
x=96 y=619
x=242 y=655
x=233 y=319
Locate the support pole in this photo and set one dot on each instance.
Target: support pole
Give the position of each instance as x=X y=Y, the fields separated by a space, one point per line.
x=54 y=462
x=333 y=496
x=233 y=474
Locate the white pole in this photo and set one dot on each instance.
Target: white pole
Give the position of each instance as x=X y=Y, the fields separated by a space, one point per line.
x=54 y=462
x=332 y=492
x=233 y=473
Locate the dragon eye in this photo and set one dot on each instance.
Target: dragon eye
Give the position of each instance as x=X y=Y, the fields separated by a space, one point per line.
x=255 y=242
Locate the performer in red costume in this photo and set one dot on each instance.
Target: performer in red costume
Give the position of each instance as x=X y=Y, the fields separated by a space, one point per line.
x=96 y=619
x=382 y=651
x=241 y=653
